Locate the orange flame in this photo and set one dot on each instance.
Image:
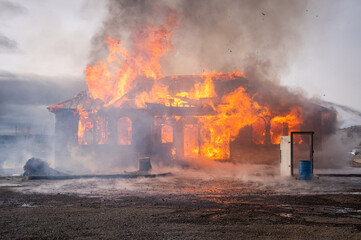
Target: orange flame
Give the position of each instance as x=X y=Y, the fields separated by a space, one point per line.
x=236 y=111
x=116 y=81
x=124 y=131
x=118 y=72
x=167 y=134
x=293 y=121
x=85 y=127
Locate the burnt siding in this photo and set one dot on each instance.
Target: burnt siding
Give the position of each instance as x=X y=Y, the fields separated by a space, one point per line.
x=66 y=135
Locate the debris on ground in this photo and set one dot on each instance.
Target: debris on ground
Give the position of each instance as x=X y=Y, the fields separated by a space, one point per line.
x=38 y=167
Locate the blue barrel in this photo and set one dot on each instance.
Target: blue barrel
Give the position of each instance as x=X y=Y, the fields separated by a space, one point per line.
x=305 y=170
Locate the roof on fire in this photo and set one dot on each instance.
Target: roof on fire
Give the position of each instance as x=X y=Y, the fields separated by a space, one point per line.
x=81 y=100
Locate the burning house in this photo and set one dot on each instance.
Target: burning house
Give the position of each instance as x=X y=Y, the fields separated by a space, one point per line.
x=211 y=116
x=131 y=110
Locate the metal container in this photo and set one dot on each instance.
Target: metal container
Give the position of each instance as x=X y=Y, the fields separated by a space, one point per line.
x=305 y=170
x=145 y=165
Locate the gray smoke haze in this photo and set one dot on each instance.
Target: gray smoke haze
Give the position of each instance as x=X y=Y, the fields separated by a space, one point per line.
x=7 y=44
x=24 y=98
x=261 y=38
x=257 y=37
x=26 y=126
x=8 y=8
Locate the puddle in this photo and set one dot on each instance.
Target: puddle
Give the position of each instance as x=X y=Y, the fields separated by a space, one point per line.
x=287 y=215
x=27 y=205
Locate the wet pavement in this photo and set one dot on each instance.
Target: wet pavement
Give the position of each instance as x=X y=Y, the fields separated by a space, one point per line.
x=189 y=204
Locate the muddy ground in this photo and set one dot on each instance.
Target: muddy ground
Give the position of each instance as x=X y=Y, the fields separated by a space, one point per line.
x=180 y=208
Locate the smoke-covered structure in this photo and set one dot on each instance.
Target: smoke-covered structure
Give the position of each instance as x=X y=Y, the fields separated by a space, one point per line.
x=240 y=123
x=131 y=109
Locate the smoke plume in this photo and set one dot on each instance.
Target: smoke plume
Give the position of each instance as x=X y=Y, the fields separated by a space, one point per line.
x=257 y=37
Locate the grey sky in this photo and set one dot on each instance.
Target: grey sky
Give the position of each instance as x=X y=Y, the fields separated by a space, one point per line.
x=329 y=66
x=53 y=39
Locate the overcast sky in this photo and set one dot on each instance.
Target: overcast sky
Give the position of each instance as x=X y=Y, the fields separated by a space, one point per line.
x=52 y=40
x=330 y=63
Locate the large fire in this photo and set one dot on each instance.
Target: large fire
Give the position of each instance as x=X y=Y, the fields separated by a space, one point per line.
x=130 y=77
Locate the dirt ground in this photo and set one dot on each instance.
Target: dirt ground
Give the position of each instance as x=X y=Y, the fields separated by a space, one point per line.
x=177 y=208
